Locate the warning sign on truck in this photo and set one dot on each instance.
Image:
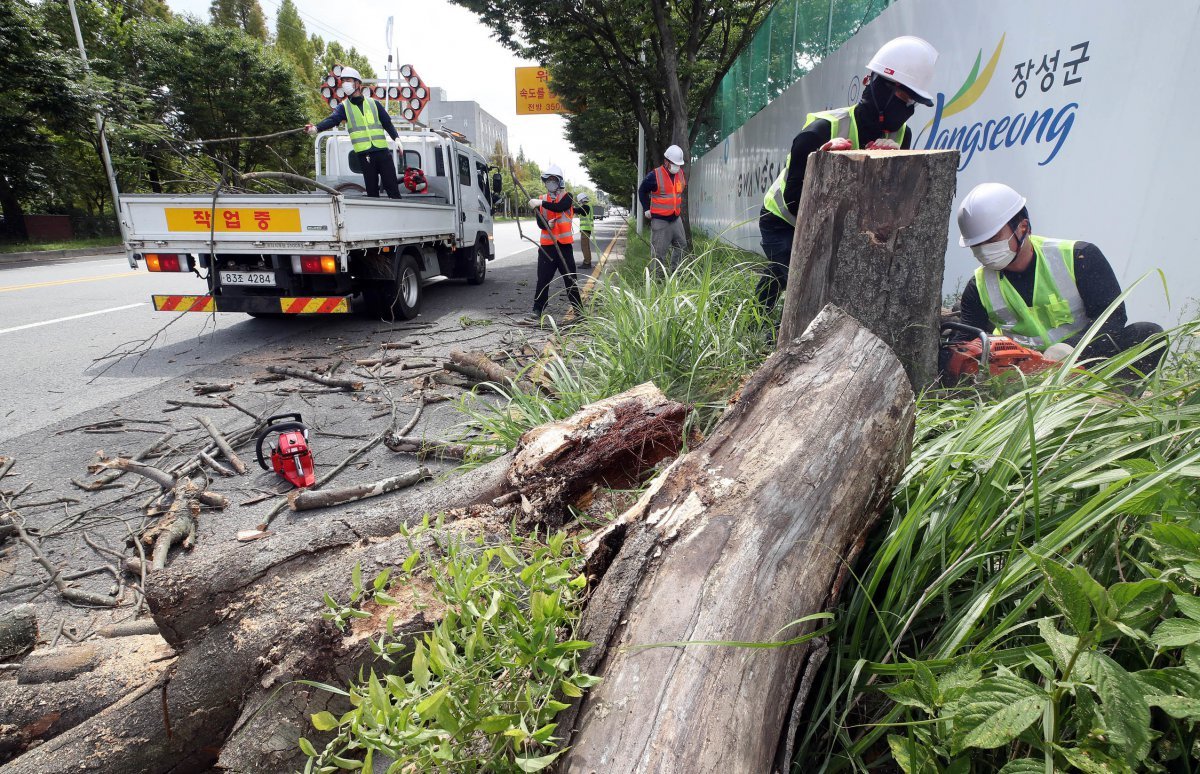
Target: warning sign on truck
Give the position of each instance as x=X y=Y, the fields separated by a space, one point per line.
x=232 y=219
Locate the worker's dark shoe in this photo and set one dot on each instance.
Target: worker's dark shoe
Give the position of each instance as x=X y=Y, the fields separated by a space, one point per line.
x=586 y=265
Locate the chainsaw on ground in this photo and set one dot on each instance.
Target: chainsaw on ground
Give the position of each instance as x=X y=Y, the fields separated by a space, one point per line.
x=986 y=354
x=291 y=456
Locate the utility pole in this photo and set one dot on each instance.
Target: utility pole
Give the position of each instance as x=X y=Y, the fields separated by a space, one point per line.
x=641 y=166
x=105 y=157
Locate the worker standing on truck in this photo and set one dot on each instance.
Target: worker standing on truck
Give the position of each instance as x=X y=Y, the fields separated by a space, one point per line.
x=1043 y=293
x=586 y=223
x=661 y=195
x=901 y=75
x=369 y=125
x=555 y=214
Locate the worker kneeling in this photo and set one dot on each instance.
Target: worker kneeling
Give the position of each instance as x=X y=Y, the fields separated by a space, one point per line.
x=1043 y=293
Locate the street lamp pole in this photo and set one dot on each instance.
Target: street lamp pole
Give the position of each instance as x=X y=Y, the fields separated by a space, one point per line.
x=104 y=155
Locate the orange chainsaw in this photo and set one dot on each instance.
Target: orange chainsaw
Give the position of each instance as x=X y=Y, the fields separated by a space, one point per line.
x=985 y=353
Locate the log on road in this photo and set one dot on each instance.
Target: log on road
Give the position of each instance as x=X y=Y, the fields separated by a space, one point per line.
x=871 y=239
x=752 y=530
x=247 y=620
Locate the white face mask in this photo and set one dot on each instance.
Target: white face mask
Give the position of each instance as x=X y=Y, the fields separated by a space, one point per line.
x=994 y=255
x=551 y=186
x=672 y=168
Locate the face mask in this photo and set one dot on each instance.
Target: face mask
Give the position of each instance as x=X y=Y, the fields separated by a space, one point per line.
x=551 y=186
x=996 y=255
x=672 y=168
x=893 y=112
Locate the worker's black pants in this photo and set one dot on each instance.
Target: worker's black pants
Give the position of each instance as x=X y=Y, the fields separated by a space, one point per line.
x=1111 y=344
x=777 y=246
x=378 y=165
x=550 y=262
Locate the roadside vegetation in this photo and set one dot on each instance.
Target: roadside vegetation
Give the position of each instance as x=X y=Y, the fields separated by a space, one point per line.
x=73 y=244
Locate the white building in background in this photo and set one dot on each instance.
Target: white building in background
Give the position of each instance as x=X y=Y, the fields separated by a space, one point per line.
x=481 y=128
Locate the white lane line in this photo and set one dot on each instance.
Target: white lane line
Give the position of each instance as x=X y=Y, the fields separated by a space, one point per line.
x=72 y=317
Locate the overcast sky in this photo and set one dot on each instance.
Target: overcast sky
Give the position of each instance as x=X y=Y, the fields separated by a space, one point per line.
x=448 y=46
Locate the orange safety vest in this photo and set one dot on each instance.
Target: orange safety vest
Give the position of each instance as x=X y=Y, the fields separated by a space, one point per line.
x=667 y=198
x=559 y=222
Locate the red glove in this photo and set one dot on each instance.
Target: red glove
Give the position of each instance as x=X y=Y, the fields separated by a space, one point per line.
x=883 y=144
x=838 y=144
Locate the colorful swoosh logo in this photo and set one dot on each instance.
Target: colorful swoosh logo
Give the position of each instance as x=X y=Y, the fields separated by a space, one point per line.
x=975 y=84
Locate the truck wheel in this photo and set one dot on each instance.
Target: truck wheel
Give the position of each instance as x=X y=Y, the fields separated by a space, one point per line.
x=478 y=269
x=398 y=297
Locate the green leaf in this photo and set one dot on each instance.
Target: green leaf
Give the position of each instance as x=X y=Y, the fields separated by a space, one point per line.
x=346 y=764
x=586 y=681
x=993 y=712
x=1024 y=766
x=957 y=679
x=420 y=666
x=1180 y=707
x=381 y=579
x=356 y=577
x=1067 y=594
x=1176 y=632
x=1131 y=599
x=569 y=689
x=910 y=694
x=1063 y=646
x=1188 y=605
x=306 y=747
x=1169 y=681
x=555 y=707
x=324 y=721
x=411 y=561
x=430 y=705
x=494 y=724
x=537 y=764
x=384 y=599
x=1092 y=761
x=910 y=755
x=1122 y=705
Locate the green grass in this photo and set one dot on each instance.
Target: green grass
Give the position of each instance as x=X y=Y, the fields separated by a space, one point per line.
x=74 y=244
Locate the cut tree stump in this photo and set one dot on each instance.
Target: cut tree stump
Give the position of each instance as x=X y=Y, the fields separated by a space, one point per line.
x=871 y=239
x=749 y=532
x=246 y=621
x=18 y=631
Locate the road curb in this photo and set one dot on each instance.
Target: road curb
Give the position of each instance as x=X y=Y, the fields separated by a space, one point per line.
x=35 y=255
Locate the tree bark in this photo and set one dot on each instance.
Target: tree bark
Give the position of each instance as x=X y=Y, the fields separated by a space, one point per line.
x=871 y=239
x=18 y=631
x=735 y=541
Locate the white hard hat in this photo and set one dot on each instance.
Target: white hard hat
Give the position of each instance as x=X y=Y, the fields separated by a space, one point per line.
x=674 y=154
x=584 y=198
x=350 y=72
x=553 y=170
x=908 y=61
x=985 y=211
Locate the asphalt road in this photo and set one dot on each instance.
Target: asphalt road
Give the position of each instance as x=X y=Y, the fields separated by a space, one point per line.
x=65 y=325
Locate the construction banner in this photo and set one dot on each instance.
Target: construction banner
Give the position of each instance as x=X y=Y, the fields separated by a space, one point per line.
x=534 y=96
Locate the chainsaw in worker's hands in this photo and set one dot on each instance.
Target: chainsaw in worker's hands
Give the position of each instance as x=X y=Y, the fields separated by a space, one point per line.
x=291 y=456
x=986 y=353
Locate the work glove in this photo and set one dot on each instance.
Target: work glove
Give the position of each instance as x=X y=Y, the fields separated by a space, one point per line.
x=646 y=214
x=1057 y=352
x=838 y=144
x=310 y=129
x=535 y=203
x=883 y=143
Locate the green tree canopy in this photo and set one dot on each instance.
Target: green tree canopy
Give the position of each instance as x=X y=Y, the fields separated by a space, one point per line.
x=246 y=15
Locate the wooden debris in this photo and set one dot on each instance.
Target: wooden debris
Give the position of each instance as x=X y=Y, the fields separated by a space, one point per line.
x=216 y=466
x=67 y=593
x=209 y=389
x=478 y=367
x=312 y=376
x=109 y=476
x=222 y=444
x=176 y=405
x=18 y=631
x=307 y=499
x=438 y=450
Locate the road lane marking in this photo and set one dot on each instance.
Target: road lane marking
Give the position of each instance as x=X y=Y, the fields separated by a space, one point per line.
x=53 y=283
x=72 y=317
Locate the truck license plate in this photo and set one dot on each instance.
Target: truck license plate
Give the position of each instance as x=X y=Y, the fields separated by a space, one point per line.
x=247 y=278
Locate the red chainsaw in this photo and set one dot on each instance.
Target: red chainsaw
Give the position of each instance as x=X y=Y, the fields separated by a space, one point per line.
x=291 y=457
x=987 y=353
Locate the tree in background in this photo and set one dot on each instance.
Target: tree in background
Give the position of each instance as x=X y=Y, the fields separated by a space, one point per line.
x=292 y=41
x=47 y=97
x=246 y=15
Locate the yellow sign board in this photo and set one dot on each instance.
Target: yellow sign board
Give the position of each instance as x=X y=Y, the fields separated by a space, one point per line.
x=533 y=93
x=250 y=221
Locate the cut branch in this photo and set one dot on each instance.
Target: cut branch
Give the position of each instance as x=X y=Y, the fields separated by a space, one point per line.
x=222 y=444
x=306 y=499
x=313 y=376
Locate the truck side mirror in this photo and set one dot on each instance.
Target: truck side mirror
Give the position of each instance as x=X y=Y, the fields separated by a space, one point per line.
x=497 y=183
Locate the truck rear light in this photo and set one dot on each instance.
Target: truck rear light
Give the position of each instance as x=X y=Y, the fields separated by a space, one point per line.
x=314 y=264
x=162 y=262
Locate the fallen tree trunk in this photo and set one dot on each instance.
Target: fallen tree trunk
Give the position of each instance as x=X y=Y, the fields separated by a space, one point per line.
x=247 y=620
x=18 y=631
x=308 y=499
x=871 y=239
x=737 y=540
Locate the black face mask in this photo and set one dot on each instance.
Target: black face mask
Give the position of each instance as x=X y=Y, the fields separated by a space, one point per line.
x=880 y=97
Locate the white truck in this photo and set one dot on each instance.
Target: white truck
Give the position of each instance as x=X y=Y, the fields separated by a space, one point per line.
x=312 y=253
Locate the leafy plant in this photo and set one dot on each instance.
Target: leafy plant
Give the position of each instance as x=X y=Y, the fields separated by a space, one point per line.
x=480 y=691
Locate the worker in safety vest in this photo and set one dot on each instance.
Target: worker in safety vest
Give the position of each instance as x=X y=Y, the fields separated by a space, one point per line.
x=1043 y=293
x=555 y=214
x=586 y=222
x=661 y=195
x=901 y=75
x=369 y=126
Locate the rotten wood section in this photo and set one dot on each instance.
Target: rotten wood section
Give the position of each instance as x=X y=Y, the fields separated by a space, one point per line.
x=751 y=531
x=871 y=239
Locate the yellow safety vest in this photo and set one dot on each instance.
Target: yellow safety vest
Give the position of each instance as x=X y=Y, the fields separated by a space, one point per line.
x=366 y=132
x=1057 y=312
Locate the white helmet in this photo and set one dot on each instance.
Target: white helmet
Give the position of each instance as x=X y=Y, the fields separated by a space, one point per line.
x=908 y=61
x=583 y=199
x=674 y=154
x=350 y=72
x=553 y=170
x=985 y=211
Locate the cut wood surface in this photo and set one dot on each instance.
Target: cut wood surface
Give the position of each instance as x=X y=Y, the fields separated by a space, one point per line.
x=18 y=631
x=871 y=239
x=747 y=533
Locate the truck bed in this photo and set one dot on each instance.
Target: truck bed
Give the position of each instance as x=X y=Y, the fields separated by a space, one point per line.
x=250 y=223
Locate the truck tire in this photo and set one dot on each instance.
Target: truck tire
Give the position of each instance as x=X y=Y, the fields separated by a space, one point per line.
x=477 y=271
x=397 y=297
